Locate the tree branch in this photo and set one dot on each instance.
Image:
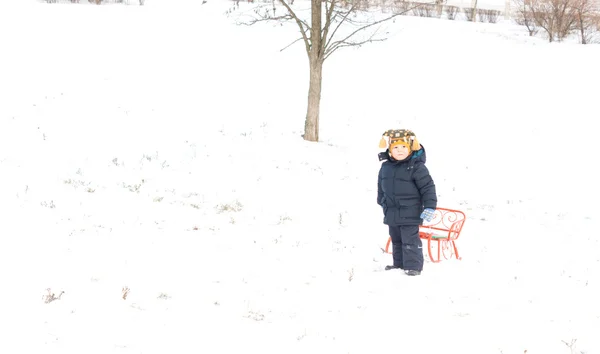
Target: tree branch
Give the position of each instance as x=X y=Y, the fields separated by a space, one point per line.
x=300 y=24
x=328 y=15
x=262 y=16
x=353 y=44
x=328 y=40
x=333 y=46
x=291 y=44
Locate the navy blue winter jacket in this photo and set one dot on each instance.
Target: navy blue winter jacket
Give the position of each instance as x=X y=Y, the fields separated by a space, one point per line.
x=405 y=188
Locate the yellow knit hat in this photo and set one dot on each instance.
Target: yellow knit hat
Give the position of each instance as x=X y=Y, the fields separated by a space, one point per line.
x=397 y=137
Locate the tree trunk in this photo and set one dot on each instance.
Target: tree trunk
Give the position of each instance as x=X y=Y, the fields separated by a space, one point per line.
x=315 y=59
x=311 y=125
x=439 y=7
x=581 y=25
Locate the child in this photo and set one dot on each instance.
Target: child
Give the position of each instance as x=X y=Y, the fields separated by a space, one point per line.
x=407 y=194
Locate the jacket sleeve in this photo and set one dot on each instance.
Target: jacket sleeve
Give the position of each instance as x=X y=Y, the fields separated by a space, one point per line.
x=379 y=190
x=426 y=186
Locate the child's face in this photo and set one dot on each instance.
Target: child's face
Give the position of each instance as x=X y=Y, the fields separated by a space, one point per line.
x=400 y=152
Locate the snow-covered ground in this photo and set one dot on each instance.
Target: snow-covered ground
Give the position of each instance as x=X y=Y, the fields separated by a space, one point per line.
x=156 y=150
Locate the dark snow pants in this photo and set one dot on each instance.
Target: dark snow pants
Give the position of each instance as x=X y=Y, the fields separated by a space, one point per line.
x=407 y=248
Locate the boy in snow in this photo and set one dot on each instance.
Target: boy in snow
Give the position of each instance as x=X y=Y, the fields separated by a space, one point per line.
x=406 y=192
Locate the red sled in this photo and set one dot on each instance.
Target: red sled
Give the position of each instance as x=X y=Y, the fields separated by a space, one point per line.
x=441 y=234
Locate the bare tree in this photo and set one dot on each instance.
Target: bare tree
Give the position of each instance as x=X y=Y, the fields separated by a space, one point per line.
x=566 y=17
x=586 y=13
x=556 y=17
x=524 y=16
x=439 y=6
x=451 y=11
x=488 y=15
x=469 y=12
x=333 y=25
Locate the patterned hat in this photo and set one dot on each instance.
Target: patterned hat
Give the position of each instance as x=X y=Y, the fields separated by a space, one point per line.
x=394 y=137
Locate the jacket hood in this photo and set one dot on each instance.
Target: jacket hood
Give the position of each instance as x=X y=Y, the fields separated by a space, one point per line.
x=415 y=156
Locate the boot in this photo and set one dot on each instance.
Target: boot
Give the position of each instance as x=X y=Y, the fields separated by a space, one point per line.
x=412 y=272
x=397 y=256
x=388 y=267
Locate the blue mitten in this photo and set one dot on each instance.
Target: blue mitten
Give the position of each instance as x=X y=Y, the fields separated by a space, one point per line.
x=427 y=214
